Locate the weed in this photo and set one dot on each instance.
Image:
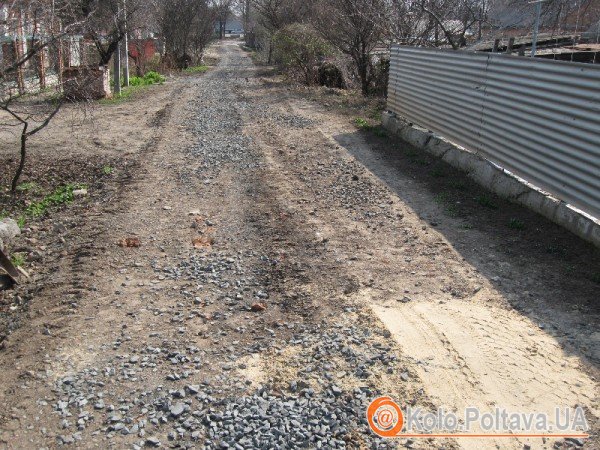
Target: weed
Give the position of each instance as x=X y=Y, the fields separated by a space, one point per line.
x=459 y=185
x=364 y=124
x=452 y=210
x=555 y=250
x=441 y=198
x=196 y=69
x=17 y=259
x=375 y=115
x=136 y=84
x=148 y=79
x=437 y=172
x=485 y=200
x=63 y=194
x=361 y=123
x=126 y=93
x=107 y=170
x=30 y=186
x=411 y=153
x=516 y=224
x=379 y=132
x=21 y=222
x=467 y=226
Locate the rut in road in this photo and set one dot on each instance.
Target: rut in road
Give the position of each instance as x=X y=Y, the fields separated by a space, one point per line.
x=284 y=280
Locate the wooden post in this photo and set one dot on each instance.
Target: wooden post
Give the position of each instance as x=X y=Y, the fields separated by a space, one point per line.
x=509 y=47
x=496 y=45
x=522 y=50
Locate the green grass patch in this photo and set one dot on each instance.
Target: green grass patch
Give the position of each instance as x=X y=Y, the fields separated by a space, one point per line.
x=196 y=69
x=379 y=131
x=486 y=201
x=437 y=172
x=363 y=124
x=17 y=259
x=553 y=249
x=136 y=85
x=459 y=185
x=147 y=80
x=452 y=210
x=126 y=94
x=61 y=195
x=21 y=222
x=516 y=224
x=28 y=187
x=411 y=152
x=442 y=198
x=108 y=170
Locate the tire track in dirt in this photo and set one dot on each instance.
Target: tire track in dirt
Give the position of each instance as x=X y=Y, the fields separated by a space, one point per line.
x=471 y=352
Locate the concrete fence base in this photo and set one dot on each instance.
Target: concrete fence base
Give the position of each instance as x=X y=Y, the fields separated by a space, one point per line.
x=496 y=179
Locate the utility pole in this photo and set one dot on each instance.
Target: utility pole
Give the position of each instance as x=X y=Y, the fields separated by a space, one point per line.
x=536 y=26
x=126 y=76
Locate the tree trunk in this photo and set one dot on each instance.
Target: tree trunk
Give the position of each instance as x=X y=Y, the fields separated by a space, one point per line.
x=42 y=68
x=363 y=74
x=270 y=56
x=24 y=136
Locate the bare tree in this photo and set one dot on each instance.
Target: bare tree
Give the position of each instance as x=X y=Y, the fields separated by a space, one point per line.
x=27 y=102
x=40 y=31
x=455 y=18
x=355 y=28
x=223 y=11
x=187 y=27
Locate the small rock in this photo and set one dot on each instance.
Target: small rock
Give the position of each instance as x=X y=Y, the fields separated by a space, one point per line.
x=177 y=409
x=152 y=442
x=257 y=307
x=80 y=192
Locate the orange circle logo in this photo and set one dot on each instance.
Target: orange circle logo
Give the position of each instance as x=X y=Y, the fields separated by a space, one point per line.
x=385 y=417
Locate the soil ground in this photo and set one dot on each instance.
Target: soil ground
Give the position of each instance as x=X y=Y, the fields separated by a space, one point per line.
x=284 y=255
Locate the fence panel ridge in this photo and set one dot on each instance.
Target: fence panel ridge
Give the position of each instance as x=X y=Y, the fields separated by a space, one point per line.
x=539 y=119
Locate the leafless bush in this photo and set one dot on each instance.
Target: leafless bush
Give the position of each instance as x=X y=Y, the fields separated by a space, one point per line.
x=355 y=28
x=187 y=27
x=299 y=49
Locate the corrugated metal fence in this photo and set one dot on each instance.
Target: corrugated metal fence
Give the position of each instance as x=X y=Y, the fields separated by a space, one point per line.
x=540 y=119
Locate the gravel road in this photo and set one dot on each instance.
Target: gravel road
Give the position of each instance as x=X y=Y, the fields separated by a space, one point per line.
x=287 y=274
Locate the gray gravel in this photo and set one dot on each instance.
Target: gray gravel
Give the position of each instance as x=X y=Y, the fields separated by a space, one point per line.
x=198 y=396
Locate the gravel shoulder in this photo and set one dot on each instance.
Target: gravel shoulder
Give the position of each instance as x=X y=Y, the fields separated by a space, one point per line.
x=290 y=269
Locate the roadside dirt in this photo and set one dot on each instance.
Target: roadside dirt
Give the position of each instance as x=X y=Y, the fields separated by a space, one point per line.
x=376 y=270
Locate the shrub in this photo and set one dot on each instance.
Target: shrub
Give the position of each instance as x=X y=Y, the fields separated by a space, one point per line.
x=381 y=73
x=331 y=75
x=299 y=49
x=148 y=79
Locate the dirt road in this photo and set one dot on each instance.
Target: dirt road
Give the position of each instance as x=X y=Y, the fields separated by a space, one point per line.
x=290 y=270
